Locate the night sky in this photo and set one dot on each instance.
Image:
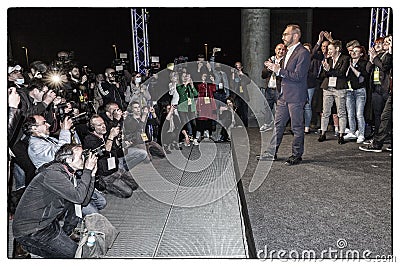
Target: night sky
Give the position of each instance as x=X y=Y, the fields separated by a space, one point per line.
x=91 y=32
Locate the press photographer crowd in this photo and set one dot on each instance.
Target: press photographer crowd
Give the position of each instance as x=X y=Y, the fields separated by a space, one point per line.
x=73 y=135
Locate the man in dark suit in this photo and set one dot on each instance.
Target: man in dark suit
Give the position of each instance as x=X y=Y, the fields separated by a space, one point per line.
x=293 y=70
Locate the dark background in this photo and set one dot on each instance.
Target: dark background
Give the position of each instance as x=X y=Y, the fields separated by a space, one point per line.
x=91 y=32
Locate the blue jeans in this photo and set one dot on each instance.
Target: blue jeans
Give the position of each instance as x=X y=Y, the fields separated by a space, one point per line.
x=97 y=202
x=19 y=177
x=50 y=242
x=272 y=96
x=307 y=108
x=355 y=103
x=134 y=156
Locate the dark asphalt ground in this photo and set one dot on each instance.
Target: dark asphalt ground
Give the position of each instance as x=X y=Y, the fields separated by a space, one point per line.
x=338 y=198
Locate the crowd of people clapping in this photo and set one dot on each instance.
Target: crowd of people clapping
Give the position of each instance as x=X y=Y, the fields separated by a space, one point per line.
x=73 y=135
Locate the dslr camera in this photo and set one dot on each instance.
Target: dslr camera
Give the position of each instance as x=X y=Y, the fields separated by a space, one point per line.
x=98 y=151
x=80 y=118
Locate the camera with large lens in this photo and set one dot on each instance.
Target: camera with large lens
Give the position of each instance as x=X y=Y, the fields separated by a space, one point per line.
x=80 y=118
x=98 y=151
x=59 y=111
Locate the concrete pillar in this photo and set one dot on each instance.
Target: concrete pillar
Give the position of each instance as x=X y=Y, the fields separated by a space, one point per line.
x=255 y=49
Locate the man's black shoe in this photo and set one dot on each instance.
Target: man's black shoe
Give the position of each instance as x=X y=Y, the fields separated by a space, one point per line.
x=341 y=140
x=293 y=160
x=19 y=252
x=75 y=237
x=321 y=138
x=266 y=156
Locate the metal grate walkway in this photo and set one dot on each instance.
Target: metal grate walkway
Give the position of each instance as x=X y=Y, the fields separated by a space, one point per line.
x=191 y=210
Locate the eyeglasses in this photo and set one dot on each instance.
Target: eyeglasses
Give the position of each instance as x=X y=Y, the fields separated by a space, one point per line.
x=40 y=123
x=286 y=34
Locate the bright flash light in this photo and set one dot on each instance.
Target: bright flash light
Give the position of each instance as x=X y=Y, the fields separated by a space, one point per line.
x=54 y=79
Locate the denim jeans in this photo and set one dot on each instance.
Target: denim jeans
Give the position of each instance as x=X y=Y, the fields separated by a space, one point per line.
x=97 y=202
x=307 y=108
x=355 y=103
x=338 y=96
x=272 y=97
x=19 y=177
x=50 y=242
x=134 y=156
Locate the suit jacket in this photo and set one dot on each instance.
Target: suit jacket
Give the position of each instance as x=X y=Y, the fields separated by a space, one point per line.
x=338 y=71
x=294 y=76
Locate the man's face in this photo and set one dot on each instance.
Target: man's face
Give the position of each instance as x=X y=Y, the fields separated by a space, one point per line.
x=378 y=46
x=332 y=51
x=75 y=73
x=77 y=162
x=356 y=53
x=38 y=94
x=99 y=126
x=287 y=37
x=280 y=50
x=41 y=127
x=238 y=66
x=116 y=112
x=386 y=44
x=324 y=47
x=350 y=49
x=136 y=110
x=16 y=74
x=110 y=75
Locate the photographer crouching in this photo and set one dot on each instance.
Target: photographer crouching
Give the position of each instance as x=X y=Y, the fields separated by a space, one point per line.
x=52 y=192
x=110 y=178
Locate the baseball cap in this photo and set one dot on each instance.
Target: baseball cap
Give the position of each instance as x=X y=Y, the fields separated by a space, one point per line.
x=11 y=69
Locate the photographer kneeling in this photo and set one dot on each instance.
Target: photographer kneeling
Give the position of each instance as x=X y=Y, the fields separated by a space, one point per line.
x=52 y=192
x=116 y=181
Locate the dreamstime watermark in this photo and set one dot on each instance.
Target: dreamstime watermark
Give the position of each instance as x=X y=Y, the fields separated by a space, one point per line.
x=339 y=251
x=161 y=181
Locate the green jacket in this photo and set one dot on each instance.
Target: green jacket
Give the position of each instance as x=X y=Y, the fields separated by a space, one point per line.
x=186 y=92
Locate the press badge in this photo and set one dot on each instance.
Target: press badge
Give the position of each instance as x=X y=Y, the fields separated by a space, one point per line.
x=206 y=100
x=220 y=85
x=111 y=163
x=78 y=210
x=349 y=85
x=332 y=82
x=376 y=77
x=144 y=137
x=241 y=89
x=189 y=101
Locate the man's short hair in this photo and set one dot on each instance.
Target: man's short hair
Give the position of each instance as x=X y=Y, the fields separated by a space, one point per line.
x=36 y=83
x=65 y=152
x=95 y=116
x=352 y=43
x=28 y=124
x=109 y=105
x=295 y=29
x=337 y=43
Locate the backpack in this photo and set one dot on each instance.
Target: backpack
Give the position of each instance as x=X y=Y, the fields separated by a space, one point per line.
x=97 y=236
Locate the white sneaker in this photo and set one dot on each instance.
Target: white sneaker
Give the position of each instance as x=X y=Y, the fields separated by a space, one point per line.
x=368 y=142
x=347 y=130
x=267 y=127
x=350 y=136
x=357 y=133
x=195 y=143
x=197 y=134
x=360 y=139
x=206 y=134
